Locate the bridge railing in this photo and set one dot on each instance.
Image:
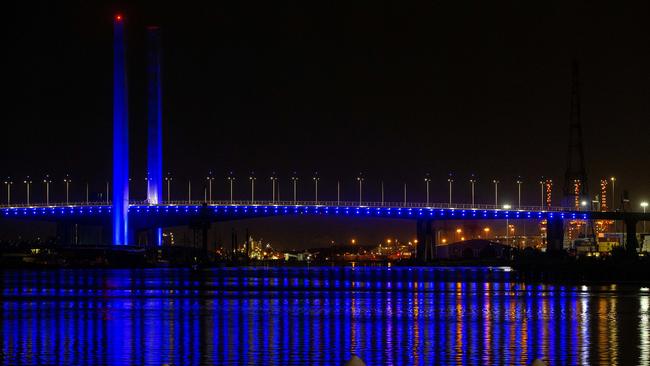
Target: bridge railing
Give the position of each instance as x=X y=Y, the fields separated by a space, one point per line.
x=56 y=204
x=357 y=204
x=349 y=204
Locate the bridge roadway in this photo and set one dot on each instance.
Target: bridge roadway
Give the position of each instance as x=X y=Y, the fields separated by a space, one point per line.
x=145 y=217
x=246 y=209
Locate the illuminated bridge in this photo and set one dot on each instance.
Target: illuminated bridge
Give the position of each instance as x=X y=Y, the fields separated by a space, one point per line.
x=121 y=219
x=145 y=217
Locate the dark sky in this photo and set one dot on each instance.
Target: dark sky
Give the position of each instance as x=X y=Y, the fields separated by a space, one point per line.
x=393 y=90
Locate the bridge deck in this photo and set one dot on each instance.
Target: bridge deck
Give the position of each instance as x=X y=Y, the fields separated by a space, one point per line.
x=268 y=208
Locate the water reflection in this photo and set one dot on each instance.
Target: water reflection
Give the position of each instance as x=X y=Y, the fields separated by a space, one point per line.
x=316 y=316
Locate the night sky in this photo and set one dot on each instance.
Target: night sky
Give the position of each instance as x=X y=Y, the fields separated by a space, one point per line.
x=395 y=91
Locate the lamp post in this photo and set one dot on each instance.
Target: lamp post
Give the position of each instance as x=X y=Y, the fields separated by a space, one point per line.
x=8 y=183
x=360 y=180
x=108 y=185
x=427 y=181
x=338 y=192
x=168 y=180
x=450 y=180
x=67 y=182
x=252 y=180
x=28 y=183
x=472 y=182
x=316 y=179
x=273 y=178
x=189 y=191
x=496 y=192
x=231 y=179
x=382 y=193
x=147 y=180
x=519 y=183
x=47 y=180
x=405 y=194
x=294 y=180
x=87 y=193
x=210 y=178
x=541 y=186
x=644 y=205
x=613 y=179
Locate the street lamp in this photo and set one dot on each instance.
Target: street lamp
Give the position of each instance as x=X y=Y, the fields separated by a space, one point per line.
x=168 y=180
x=108 y=185
x=338 y=192
x=427 y=180
x=404 y=193
x=382 y=193
x=294 y=180
x=644 y=205
x=360 y=180
x=231 y=179
x=67 y=182
x=28 y=183
x=47 y=180
x=147 y=180
x=472 y=182
x=613 y=179
x=450 y=180
x=519 y=183
x=316 y=179
x=252 y=179
x=274 y=179
x=210 y=178
x=496 y=192
x=189 y=191
x=8 y=183
x=541 y=185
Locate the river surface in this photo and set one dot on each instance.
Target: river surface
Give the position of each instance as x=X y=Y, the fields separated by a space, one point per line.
x=316 y=316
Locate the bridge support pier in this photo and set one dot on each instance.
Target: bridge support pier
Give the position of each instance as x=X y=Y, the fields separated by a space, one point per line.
x=554 y=234
x=426 y=246
x=200 y=228
x=631 y=244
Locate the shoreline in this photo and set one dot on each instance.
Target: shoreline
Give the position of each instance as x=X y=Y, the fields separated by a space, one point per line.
x=562 y=269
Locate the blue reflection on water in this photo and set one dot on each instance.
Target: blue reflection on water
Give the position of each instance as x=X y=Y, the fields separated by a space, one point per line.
x=315 y=316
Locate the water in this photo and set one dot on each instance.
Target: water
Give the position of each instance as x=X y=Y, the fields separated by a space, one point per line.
x=316 y=316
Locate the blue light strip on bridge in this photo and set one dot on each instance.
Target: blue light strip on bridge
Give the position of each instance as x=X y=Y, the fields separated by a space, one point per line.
x=267 y=210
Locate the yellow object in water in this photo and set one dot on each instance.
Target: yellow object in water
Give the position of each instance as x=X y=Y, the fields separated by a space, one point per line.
x=356 y=361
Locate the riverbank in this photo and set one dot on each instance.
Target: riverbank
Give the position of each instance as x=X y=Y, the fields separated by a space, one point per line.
x=526 y=267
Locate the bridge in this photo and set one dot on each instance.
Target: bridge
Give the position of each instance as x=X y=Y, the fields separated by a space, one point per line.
x=121 y=218
x=145 y=217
